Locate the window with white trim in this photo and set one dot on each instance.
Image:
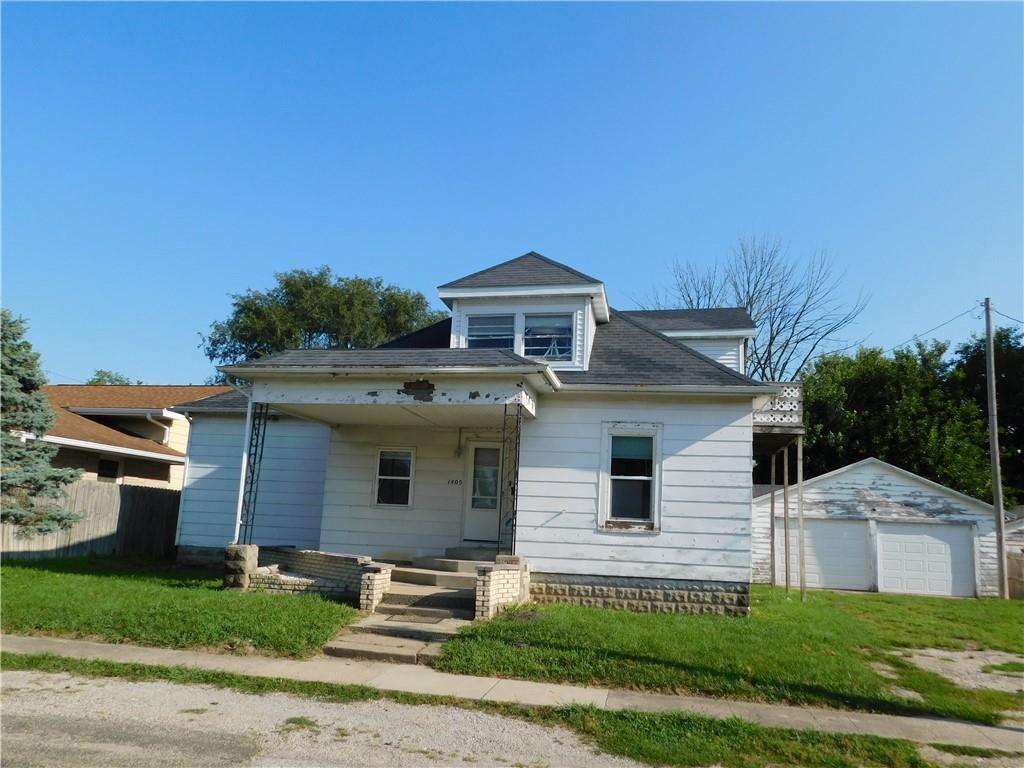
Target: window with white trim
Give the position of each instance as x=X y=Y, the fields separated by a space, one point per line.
x=393 y=484
x=491 y=332
x=548 y=337
x=631 y=488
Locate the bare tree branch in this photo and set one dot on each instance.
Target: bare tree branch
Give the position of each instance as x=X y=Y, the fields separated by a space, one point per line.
x=796 y=306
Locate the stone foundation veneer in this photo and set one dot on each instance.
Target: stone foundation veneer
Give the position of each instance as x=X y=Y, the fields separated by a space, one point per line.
x=725 y=598
x=283 y=569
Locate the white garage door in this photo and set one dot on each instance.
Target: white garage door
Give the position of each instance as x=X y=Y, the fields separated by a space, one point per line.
x=925 y=559
x=838 y=554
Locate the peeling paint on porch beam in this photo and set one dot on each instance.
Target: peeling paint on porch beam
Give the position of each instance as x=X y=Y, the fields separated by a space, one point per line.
x=420 y=392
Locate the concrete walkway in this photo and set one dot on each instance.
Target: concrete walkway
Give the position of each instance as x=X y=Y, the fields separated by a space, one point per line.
x=417 y=679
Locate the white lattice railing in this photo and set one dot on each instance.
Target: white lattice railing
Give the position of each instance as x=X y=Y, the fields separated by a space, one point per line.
x=785 y=409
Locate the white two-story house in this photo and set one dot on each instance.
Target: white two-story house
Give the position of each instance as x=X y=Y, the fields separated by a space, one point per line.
x=612 y=450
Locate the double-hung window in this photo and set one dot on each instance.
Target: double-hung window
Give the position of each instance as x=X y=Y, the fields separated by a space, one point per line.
x=548 y=337
x=491 y=332
x=393 y=484
x=631 y=468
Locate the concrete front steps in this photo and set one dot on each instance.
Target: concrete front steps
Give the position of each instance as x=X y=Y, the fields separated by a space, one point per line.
x=411 y=629
x=429 y=601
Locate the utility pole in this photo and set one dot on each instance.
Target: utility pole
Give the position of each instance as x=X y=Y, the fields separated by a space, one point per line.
x=993 y=442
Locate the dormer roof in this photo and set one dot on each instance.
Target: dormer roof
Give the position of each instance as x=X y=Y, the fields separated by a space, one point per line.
x=529 y=270
x=531 y=274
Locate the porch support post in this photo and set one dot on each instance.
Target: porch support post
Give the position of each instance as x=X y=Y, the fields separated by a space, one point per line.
x=800 y=513
x=245 y=469
x=771 y=522
x=511 y=431
x=251 y=474
x=785 y=509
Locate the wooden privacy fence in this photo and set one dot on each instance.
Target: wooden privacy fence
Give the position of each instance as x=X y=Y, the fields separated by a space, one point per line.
x=1015 y=575
x=117 y=519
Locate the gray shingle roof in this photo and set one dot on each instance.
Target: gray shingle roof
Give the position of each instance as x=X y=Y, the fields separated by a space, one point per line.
x=530 y=269
x=722 y=319
x=389 y=358
x=229 y=401
x=436 y=336
x=626 y=352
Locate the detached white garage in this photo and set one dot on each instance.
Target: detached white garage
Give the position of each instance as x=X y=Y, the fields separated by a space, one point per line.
x=875 y=527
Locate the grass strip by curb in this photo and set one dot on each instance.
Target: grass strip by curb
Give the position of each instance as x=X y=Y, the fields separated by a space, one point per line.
x=964 y=751
x=677 y=738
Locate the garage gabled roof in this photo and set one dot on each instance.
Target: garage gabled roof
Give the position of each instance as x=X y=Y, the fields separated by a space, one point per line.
x=821 y=479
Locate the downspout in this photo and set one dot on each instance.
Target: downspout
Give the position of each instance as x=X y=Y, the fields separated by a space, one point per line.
x=164 y=427
x=244 y=462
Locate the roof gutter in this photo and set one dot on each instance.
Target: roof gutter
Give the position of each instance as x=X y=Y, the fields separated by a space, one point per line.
x=711 y=333
x=250 y=373
x=675 y=389
x=86 y=445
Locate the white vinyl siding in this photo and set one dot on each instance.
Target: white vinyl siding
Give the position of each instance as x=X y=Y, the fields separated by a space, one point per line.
x=353 y=524
x=705 y=490
x=291 y=482
x=873 y=492
x=728 y=352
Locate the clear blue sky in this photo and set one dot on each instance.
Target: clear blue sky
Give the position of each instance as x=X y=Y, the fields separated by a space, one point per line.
x=157 y=158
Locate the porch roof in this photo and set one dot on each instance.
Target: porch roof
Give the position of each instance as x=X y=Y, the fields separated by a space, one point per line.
x=389 y=359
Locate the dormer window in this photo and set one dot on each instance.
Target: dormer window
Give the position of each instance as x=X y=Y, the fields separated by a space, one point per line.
x=548 y=337
x=491 y=332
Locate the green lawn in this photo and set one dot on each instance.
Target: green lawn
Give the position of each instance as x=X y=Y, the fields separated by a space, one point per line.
x=161 y=604
x=817 y=653
x=676 y=739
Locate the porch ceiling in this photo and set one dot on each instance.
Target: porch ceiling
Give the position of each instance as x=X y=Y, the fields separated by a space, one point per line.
x=419 y=415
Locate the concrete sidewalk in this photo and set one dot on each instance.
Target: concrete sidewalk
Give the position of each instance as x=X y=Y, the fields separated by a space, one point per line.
x=418 y=679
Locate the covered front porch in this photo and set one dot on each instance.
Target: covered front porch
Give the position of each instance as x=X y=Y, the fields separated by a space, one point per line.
x=417 y=466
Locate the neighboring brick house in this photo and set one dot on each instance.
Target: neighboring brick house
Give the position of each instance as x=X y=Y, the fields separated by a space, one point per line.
x=123 y=434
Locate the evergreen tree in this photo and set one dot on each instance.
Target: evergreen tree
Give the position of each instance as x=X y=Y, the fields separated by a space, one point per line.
x=28 y=478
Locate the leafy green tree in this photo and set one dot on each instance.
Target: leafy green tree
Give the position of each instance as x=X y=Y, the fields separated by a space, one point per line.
x=316 y=309
x=28 y=479
x=969 y=363
x=103 y=376
x=902 y=409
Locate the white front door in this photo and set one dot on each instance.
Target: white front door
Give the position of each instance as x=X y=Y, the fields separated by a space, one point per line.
x=480 y=522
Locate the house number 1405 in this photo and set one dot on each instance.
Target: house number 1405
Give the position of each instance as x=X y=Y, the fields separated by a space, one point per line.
x=454 y=482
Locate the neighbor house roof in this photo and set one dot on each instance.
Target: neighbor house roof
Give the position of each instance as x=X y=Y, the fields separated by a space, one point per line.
x=140 y=396
x=388 y=358
x=530 y=269
x=75 y=431
x=719 y=319
x=627 y=352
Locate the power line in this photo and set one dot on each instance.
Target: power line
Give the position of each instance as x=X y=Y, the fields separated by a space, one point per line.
x=62 y=376
x=1007 y=316
x=932 y=330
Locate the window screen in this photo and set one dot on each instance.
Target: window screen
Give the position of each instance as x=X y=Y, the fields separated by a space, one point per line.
x=394 y=477
x=491 y=332
x=632 y=473
x=548 y=336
